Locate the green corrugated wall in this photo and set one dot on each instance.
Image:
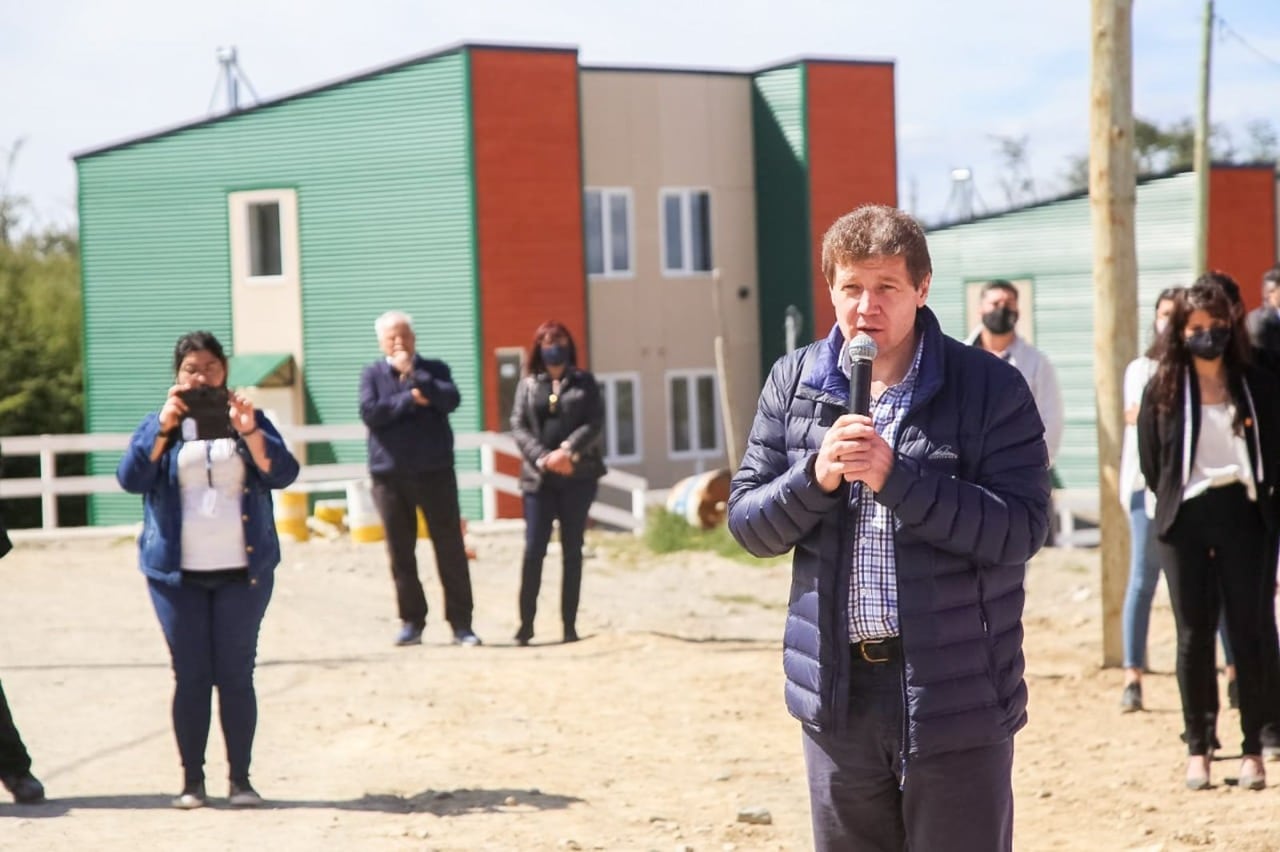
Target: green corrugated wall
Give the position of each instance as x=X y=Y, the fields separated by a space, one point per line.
x=1052 y=245
x=778 y=118
x=383 y=173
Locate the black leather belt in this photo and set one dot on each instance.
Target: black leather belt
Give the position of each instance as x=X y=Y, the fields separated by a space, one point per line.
x=877 y=651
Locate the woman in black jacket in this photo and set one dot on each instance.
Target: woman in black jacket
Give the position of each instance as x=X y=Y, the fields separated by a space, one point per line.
x=557 y=421
x=1208 y=443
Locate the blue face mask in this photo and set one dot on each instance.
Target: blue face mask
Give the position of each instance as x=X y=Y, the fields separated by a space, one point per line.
x=555 y=355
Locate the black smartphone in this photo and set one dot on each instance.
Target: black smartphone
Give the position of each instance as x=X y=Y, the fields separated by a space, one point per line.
x=208 y=417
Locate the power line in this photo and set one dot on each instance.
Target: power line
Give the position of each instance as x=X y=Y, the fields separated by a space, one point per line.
x=1228 y=30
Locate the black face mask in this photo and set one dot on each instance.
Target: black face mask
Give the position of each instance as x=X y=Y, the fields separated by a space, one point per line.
x=1209 y=343
x=555 y=355
x=1000 y=320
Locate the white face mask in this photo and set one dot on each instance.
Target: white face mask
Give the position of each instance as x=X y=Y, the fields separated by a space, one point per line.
x=1161 y=325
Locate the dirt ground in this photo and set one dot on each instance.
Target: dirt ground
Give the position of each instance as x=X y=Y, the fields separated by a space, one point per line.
x=653 y=733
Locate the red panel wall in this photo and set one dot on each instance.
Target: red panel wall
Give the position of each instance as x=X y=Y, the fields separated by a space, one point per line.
x=853 y=152
x=528 y=173
x=1242 y=225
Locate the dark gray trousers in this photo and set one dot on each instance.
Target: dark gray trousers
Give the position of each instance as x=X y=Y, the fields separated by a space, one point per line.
x=959 y=801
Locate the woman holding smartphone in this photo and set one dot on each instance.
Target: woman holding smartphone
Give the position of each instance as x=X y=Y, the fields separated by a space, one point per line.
x=208 y=549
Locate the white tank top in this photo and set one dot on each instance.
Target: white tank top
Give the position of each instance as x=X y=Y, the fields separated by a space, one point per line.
x=211 y=478
x=1221 y=455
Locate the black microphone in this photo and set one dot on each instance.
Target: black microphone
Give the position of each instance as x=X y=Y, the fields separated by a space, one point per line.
x=862 y=351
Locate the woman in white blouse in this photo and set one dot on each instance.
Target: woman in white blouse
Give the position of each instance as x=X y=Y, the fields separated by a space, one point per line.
x=1209 y=447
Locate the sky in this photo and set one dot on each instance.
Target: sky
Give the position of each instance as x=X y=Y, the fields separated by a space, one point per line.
x=77 y=74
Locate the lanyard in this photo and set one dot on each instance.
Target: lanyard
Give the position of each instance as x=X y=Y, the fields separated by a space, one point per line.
x=208 y=462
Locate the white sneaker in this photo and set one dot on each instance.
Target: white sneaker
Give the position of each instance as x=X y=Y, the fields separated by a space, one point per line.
x=191 y=797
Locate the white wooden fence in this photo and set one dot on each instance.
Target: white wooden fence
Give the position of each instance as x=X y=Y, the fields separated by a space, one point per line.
x=313 y=477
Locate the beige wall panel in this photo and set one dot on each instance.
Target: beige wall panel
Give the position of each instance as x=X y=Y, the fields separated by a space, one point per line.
x=648 y=131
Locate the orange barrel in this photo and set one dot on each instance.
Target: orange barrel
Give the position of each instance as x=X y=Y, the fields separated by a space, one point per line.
x=291 y=515
x=362 y=516
x=701 y=499
x=331 y=511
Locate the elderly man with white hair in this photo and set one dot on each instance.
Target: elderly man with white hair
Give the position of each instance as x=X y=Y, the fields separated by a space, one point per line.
x=405 y=400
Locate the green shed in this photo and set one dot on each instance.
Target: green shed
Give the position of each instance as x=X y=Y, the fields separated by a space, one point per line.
x=365 y=187
x=1047 y=250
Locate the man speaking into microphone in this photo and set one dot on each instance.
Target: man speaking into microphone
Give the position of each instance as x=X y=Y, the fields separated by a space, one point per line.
x=912 y=513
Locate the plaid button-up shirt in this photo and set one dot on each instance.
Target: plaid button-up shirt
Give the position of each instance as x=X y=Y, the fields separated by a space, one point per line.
x=873 y=585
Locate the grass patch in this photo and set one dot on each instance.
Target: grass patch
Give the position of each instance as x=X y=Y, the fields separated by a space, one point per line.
x=667 y=533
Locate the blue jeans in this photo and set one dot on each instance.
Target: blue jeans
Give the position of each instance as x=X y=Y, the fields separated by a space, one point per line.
x=213 y=641
x=1144 y=571
x=569 y=500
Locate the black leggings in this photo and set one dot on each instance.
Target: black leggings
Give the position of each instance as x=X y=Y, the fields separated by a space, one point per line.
x=1217 y=559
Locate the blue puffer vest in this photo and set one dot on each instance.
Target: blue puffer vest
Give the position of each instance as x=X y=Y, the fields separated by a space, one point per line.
x=969 y=492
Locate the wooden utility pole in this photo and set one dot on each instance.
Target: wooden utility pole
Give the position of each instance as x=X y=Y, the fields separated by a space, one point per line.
x=1112 y=191
x=1200 y=157
x=722 y=379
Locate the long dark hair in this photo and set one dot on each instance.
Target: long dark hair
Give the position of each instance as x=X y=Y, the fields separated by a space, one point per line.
x=550 y=328
x=1168 y=294
x=197 y=341
x=1213 y=293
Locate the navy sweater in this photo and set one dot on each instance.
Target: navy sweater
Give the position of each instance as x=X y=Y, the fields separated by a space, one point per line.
x=404 y=437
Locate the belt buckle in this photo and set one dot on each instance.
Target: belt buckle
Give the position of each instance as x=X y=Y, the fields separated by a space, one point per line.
x=871 y=643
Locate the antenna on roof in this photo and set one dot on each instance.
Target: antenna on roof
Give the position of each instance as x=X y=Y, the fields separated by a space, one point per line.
x=232 y=75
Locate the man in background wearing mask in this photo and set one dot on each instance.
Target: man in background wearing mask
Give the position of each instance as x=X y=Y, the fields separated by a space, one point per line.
x=997 y=335
x=1263 y=322
x=405 y=400
x=999 y=310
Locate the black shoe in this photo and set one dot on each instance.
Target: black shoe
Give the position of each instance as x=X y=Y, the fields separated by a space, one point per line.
x=26 y=788
x=242 y=795
x=570 y=635
x=410 y=634
x=466 y=637
x=1233 y=694
x=1271 y=741
x=191 y=797
x=1131 y=698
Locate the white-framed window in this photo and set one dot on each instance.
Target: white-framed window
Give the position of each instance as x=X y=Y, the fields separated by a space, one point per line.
x=264 y=235
x=621 y=392
x=686 y=231
x=607 y=211
x=693 y=414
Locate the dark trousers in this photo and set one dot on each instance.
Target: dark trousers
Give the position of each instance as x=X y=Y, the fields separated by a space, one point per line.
x=436 y=493
x=1216 y=559
x=961 y=800
x=212 y=632
x=14 y=759
x=567 y=500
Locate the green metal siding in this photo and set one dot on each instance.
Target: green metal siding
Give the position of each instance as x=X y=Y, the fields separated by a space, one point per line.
x=385 y=215
x=1053 y=246
x=778 y=118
